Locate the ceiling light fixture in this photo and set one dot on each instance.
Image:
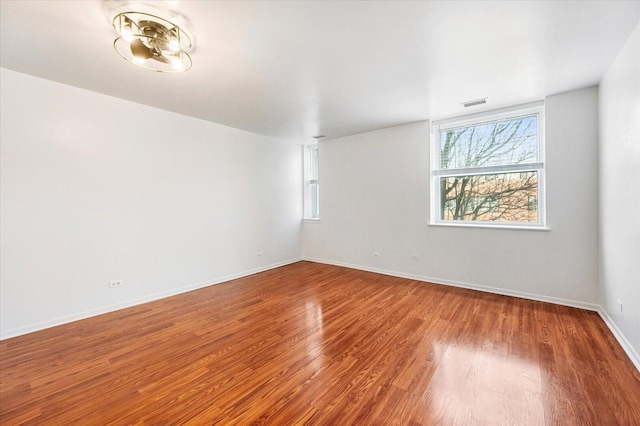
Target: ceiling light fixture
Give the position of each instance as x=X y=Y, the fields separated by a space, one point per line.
x=152 y=42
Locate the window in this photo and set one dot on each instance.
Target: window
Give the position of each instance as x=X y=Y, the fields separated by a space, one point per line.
x=488 y=169
x=311 y=189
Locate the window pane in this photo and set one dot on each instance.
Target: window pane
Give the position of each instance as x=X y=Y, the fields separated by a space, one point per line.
x=496 y=143
x=311 y=183
x=315 y=210
x=313 y=163
x=503 y=197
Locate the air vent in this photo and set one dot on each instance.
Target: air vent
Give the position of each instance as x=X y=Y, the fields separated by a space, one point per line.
x=474 y=103
x=319 y=137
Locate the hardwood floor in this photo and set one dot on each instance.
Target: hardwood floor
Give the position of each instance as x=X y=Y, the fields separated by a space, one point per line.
x=317 y=344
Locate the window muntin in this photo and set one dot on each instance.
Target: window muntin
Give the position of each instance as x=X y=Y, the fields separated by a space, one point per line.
x=489 y=169
x=311 y=183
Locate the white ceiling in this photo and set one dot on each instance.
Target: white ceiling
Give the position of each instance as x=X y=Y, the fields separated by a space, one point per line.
x=296 y=69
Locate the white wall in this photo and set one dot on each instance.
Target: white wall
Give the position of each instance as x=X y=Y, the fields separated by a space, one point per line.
x=374 y=190
x=620 y=192
x=95 y=188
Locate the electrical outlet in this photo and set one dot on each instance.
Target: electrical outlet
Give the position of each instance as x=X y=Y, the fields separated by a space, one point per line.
x=376 y=254
x=415 y=258
x=619 y=305
x=115 y=283
x=259 y=254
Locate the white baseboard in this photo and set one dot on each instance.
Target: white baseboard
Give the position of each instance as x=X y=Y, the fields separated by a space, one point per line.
x=129 y=303
x=620 y=337
x=626 y=346
x=487 y=289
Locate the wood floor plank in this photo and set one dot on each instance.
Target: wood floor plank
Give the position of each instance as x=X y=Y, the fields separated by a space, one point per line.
x=317 y=344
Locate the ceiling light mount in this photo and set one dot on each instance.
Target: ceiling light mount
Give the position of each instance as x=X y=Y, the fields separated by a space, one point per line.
x=152 y=42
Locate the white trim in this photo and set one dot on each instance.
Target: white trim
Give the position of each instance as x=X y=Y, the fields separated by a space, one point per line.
x=452 y=283
x=490 y=170
x=491 y=115
x=310 y=220
x=626 y=346
x=490 y=225
x=436 y=172
x=620 y=337
x=129 y=303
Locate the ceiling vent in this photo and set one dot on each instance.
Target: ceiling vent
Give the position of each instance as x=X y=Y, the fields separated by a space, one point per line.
x=474 y=103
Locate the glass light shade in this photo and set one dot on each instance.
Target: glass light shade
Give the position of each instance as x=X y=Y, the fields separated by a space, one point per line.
x=152 y=42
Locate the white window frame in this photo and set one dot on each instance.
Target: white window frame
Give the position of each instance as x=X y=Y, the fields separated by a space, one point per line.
x=436 y=173
x=311 y=197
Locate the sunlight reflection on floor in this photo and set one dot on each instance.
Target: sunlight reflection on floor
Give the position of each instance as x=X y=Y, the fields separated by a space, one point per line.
x=472 y=386
x=315 y=341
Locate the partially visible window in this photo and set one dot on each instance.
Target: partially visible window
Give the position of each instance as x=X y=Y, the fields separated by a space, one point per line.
x=311 y=185
x=489 y=169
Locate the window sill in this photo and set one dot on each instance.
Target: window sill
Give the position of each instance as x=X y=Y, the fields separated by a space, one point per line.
x=489 y=226
x=310 y=220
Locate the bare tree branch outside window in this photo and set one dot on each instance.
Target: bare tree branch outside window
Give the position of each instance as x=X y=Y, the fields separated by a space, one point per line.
x=505 y=196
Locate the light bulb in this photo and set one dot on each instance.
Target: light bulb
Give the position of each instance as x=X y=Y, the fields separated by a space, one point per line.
x=127 y=34
x=176 y=63
x=126 y=28
x=174 y=45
